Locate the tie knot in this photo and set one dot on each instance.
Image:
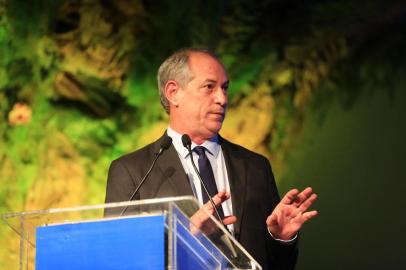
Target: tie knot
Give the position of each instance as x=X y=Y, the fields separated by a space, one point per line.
x=199 y=150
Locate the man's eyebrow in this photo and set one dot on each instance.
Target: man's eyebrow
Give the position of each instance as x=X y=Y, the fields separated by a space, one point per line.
x=226 y=83
x=209 y=80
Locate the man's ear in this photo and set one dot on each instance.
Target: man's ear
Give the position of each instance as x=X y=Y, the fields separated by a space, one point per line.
x=171 y=91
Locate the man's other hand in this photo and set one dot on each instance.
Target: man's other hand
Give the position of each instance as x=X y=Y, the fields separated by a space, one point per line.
x=289 y=215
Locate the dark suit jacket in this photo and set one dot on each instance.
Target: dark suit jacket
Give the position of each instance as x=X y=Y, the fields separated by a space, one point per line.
x=252 y=185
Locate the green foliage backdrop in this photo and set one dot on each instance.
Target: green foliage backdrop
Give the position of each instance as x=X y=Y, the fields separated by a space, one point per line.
x=77 y=81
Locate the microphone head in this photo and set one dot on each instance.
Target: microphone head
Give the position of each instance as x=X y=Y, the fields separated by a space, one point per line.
x=166 y=142
x=186 y=141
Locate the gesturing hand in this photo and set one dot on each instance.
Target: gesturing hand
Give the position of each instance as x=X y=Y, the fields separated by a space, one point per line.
x=201 y=219
x=290 y=214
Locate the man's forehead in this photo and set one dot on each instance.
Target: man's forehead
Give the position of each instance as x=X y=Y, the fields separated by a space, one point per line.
x=202 y=62
x=200 y=57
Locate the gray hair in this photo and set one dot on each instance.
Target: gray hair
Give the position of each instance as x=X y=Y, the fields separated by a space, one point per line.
x=176 y=67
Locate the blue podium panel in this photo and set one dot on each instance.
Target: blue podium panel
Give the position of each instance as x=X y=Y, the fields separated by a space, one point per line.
x=126 y=243
x=191 y=254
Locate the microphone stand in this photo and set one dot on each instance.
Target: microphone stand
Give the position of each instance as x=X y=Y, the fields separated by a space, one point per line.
x=164 y=145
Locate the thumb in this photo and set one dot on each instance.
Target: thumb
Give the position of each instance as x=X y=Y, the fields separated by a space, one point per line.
x=272 y=220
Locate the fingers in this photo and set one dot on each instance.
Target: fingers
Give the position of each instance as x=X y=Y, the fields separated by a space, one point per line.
x=229 y=220
x=302 y=200
x=302 y=196
x=290 y=196
x=218 y=199
x=308 y=215
x=308 y=202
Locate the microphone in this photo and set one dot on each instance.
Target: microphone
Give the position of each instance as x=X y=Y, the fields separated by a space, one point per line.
x=187 y=142
x=165 y=144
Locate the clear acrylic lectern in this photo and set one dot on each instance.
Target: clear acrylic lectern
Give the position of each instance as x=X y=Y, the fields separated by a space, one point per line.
x=165 y=233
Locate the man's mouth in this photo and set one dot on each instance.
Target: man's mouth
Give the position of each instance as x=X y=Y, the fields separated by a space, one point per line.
x=218 y=115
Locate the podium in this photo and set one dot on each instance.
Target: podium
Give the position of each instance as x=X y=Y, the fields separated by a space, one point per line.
x=164 y=233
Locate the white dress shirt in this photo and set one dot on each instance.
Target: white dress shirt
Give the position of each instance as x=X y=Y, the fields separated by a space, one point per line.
x=216 y=158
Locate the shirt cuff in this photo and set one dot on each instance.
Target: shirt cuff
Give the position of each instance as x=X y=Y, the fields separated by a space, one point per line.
x=286 y=242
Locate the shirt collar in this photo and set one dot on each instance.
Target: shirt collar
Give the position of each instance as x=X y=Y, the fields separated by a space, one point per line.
x=211 y=145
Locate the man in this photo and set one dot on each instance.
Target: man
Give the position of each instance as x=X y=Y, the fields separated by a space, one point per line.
x=193 y=88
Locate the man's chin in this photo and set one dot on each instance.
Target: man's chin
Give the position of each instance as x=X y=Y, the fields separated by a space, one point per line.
x=215 y=127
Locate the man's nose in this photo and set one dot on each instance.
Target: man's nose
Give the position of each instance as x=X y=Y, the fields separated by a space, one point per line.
x=221 y=96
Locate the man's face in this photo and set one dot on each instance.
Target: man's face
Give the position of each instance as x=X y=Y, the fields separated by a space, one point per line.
x=203 y=100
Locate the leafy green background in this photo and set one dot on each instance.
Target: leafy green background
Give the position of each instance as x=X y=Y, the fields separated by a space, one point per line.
x=317 y=86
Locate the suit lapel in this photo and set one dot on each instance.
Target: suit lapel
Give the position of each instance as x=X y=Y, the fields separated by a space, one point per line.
x=173 y=171
x=236 y=172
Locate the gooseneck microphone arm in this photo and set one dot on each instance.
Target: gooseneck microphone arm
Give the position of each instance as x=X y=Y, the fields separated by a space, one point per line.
x=187 y=142
x=165 y=144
